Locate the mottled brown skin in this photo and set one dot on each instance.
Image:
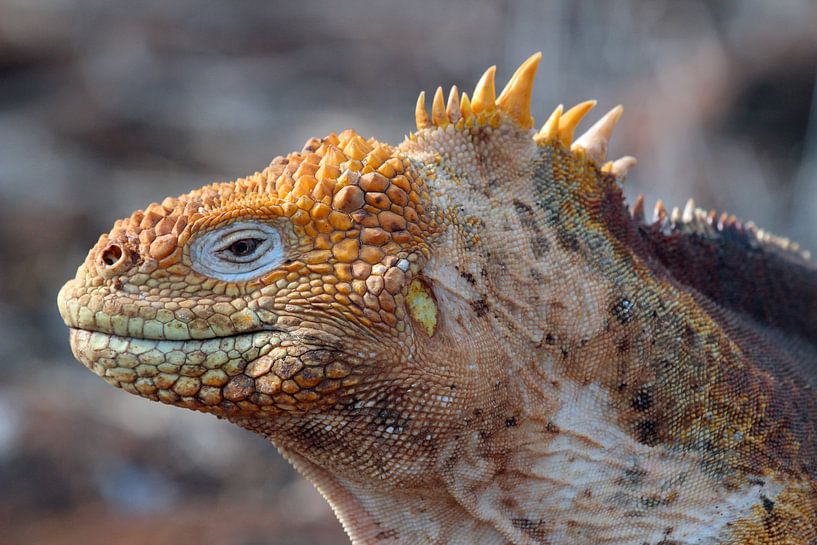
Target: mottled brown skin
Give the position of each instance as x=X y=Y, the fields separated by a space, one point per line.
x=469 y=339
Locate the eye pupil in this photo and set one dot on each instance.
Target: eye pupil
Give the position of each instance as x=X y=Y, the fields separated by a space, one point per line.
x=243 y=247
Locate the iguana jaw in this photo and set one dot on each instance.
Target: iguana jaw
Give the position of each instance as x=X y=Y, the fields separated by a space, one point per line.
x=270 y=369
x=246 y=374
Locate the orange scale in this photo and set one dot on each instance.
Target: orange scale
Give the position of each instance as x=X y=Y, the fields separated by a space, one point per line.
x=365 y=219
x=373 y=181
x=401 y=237
x=320 y=211
x=343 y=271
x=310 y=230
x=324 y=190
x=371 y=254
x=386 y=170
x=402 y=182
x=332 y=139
x=151 y=218
x=353 y=164
x=323 y=226
x=301 y=217
x=340 y=221
x=397 y=195
x=378 y=200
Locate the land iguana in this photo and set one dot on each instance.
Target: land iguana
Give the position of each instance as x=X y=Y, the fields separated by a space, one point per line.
x=470 y=338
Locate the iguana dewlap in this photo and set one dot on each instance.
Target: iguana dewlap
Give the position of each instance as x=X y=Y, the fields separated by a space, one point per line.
x=469 y=339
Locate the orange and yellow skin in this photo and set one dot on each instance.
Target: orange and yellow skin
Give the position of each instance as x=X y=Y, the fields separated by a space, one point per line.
x=467 y=339
x=356 y=230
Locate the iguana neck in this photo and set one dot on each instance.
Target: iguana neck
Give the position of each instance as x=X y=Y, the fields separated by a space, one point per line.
x=616 y=337
x=609 y=387
x=373 y=515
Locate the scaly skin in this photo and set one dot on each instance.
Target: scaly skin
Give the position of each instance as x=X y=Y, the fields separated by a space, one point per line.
x=468 y=339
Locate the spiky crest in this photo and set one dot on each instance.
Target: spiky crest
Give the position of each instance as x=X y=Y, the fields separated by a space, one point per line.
x=514 y=106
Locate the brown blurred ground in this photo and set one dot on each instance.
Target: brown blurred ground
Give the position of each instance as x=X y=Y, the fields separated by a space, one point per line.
x=106 y=105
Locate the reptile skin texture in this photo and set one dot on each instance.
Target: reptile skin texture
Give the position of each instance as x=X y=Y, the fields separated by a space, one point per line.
x=470 y=339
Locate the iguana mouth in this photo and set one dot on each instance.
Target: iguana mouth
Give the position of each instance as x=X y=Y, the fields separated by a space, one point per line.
x=246 y=372
x=173 y=370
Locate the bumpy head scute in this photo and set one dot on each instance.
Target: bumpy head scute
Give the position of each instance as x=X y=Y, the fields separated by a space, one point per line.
x=353 y=199
x=341 y=226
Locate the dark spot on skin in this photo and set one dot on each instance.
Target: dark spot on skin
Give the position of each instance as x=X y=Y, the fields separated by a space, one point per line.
x=510 y=422
x=568 y=241
x=540 y=246
x=550 y=339
x=552 y=428
x=468 y=277
x=633 y=477
x=525 y=214
x=386 y=417
x=287 y=367
x=623 y=345
x=536 y=276
x=533 y=529
x=538 y=242
x=311 y=373
x=318 y=357
x=642 y=400
x=387 y=534
x=480 y=307
x=768 y=504
x=623 y=310
x=647 y=433
x=239 y=387
x=477 y=412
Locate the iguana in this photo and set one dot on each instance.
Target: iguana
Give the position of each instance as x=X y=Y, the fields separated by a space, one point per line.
x=469 y=338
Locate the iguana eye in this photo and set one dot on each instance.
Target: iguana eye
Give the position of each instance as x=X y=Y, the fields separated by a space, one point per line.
x=238 y=251
x=244 y=247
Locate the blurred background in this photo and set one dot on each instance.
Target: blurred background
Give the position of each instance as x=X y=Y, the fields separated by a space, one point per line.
x=107 y=105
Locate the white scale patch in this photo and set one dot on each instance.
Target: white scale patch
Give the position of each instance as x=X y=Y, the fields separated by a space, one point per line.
x=636 y=493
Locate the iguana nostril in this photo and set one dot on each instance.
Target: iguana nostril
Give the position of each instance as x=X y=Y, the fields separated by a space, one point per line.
x=112 y=254
x=113 y=259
